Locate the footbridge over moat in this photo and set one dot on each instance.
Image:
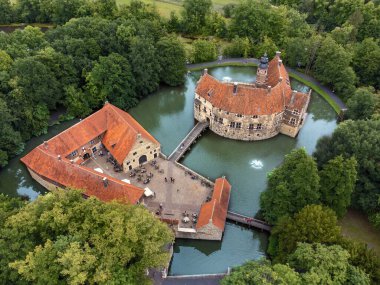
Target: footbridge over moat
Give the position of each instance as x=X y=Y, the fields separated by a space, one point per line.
x=185 y=144
x=180 y=150
x=248 y=221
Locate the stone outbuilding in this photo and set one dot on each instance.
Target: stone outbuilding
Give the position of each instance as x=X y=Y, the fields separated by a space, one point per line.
x=252 y=111
x=213 y=214
x=59 y=162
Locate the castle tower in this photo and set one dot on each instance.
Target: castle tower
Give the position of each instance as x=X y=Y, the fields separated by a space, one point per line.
x=262 y=71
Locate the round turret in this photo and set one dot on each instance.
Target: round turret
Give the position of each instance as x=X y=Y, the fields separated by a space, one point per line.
x=264 y=61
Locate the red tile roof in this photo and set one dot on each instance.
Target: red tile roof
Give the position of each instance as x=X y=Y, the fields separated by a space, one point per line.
x=250 y=99
x=68 y=174
x=215 y=211
x=120 y=133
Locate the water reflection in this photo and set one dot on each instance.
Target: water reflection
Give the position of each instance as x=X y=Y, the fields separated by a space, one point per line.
x=239 y=245
x=256 y=164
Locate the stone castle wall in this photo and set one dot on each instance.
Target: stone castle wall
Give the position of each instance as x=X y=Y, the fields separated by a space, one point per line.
x=251 y=127
x=48 y=185
x=207 y=232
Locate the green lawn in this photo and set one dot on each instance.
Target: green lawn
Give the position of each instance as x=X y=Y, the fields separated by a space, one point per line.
x=355 y=225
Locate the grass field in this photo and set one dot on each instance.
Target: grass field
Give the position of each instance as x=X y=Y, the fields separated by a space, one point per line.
x=355 y=225
x=164 y=7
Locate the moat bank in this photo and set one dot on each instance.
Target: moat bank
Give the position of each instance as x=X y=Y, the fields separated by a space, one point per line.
x=168 y=115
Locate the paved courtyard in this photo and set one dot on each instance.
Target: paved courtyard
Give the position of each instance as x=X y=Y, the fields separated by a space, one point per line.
x=187 y=192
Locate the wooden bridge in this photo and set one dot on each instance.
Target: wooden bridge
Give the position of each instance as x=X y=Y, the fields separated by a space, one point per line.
x=248 y=221
x=187 y=141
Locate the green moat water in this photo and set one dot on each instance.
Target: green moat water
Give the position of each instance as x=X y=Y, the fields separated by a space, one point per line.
x=168 y=115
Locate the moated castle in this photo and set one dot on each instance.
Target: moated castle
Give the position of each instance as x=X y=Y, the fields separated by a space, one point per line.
x=252 y=111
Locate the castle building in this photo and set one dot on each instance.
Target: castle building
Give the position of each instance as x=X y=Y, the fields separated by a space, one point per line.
x=252 y=111
x=60 y=162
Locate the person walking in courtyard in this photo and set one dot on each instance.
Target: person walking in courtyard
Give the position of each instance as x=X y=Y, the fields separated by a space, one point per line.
x=166 y=180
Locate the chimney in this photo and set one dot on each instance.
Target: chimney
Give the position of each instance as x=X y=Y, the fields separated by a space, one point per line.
x=59 y=157
x=72 y=161
x=205 y=71
x=279 y=62
x=280 y=79
x=235 y=88
x=45 y=144
x=105 y=182
x=138 y=135
x=278 y=53
x=106 y=102
x=269 y=88
x=293 y=96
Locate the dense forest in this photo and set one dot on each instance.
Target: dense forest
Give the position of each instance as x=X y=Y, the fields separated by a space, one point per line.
x=96 y=51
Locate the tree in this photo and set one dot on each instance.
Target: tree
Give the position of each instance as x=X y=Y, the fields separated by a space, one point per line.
x=291 y=186
x=204 y=51
x=6 y=12
x=63 y=11
x=194 y=15
x=362 y=104
x=266 y=46
x=362 y=257
x=104 y=8
x=77 y=102
x=359 y=139
x=36 y=81
x=145 y=66
x=10 y=140
x=228 y=10
x=326 y=265
x=78 y=241
x=239 y=47
x=172 y=58
x=314 y=223
x=26 y=42
x=262 y=273
x=111 y=79
x=332 y=67
x=366 y=62
x=5 y=61
x=338 y=179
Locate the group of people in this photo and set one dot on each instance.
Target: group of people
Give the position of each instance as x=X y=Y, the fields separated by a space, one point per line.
x=172 y=180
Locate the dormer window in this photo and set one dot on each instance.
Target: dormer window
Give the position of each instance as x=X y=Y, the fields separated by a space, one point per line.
x=92 y=141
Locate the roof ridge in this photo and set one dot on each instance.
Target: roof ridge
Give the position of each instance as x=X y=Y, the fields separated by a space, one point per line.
x=221 y=192
x=112 y=107
x=212 y=212
x=80 y=121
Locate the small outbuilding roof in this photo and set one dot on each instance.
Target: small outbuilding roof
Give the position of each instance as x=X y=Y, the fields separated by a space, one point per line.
x=215 y=211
